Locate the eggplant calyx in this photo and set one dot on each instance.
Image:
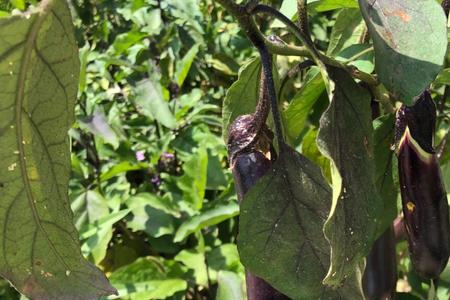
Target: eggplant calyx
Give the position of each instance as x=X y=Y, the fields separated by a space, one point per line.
x=407 y=141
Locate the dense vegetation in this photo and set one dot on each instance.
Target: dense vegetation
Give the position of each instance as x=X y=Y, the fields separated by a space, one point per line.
x=151 y=188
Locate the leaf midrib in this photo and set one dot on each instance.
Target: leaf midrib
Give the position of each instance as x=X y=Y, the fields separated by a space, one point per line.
x=21 y=82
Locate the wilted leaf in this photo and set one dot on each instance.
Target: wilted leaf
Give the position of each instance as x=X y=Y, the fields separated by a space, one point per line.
x=345 y=137
x=280 y=230
x=410 y=40
x=40 y=250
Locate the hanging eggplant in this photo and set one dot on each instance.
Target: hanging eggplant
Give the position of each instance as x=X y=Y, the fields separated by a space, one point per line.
x=380 y=276
x=424 y=198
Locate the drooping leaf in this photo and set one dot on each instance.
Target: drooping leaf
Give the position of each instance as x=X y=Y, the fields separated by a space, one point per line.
x=347 y=30
x=410 y=40
x=384 y=158
x=345 y=137
x=296 y=114
x=206 y=218
x=280 y=230
x=40 y=252
x=150 y=102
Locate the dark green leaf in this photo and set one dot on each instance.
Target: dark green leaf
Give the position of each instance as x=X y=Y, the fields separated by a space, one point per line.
x=40 y=250
x=345 y=137
x=384 y=156
x=280 y=230
x=410 y=40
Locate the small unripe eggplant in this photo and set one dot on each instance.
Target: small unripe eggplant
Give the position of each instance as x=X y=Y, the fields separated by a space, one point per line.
x=380 y=276
x=424 y=198
x=249 y=148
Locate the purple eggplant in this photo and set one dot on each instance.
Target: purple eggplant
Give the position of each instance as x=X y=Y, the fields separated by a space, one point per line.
x=380 y=276
x=424 y=198
x=251 y=153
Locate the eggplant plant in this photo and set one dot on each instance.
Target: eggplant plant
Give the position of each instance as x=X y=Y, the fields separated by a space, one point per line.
x=335 y=150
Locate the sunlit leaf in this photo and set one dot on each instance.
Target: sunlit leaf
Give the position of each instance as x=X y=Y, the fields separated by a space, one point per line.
x=40 y=250
x=410 y=40
x=347 y=30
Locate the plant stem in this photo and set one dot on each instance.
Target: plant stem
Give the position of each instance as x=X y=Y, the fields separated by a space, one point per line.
x=358 y=55
x=248 y=25
x=303 y=19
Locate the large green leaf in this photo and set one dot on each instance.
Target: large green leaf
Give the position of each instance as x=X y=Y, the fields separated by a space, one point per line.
x=280 y=230
x=40 y=252
x=326 y=5
x=345 y=137
x=347 y=30
x=410 y=40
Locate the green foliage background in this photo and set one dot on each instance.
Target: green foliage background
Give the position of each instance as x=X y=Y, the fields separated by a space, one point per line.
x=151 y=192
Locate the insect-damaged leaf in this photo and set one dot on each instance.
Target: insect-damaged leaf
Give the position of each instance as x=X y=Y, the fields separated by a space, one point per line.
x=410 y=41
x=345 y=137
x=280 y=230
x=40 y=252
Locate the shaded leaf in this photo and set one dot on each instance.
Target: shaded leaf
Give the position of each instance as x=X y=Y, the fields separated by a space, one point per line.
x=195 y=261
x=206 y=218
x=384 y=156
x=280 y=230
x=410 y=40
x=150 y=214
x=40 y=250
x=147 y=278
x=345 y=137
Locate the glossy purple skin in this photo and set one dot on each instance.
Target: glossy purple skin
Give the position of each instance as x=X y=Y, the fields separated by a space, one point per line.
x=380 y=276
x=247 y=169
x=425 y=210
